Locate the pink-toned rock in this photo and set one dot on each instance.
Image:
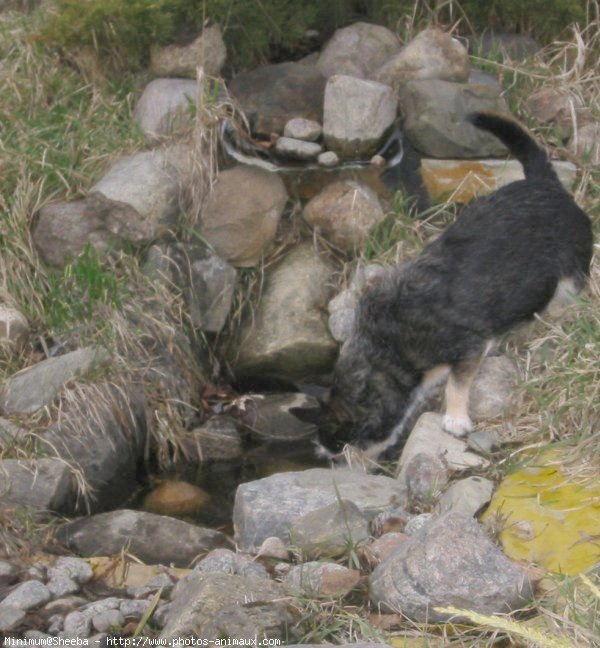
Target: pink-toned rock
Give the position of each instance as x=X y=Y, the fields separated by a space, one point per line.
x=382 y=547
x=326 y=579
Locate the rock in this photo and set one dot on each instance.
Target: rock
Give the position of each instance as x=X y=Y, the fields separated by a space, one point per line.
x=425 y=476
x=484 y=441
x=271 y=95
x=344 y=212
x=37 y=571
x=9 y=573
x=77 y=625
x=134 y=609
x=215 y=605
x=322 y=579
x=163 y=582
x=431 y=54
x=384 y=546
x=14 y=328
x=10 y=617
x=268 y=417
x=358 y=50
x=493 y=390
x=241 y=214
x=226 y=561
x=481 y=77
x=329 y=531
x=218 y=439
x=108 y=620
x=296 y=149
x=429 y=438
x=60 y=586
x=287 y=335
x=26 y=596
x=64 y=229
x=585 y=143
x=356 y=115
x=464 y=180
x=97 y=607
x=466 y=496
x=450 y=562
x=273 y=548
x=435 y=118
x=11 y=435
x=56 y=623
x=161 y=615
x=391 y=520
x=164 y=108
x=205 y=280
x=557 y=106
x=270 y=506
x=102 y=432
x=37 y=386
x=176 y=498
x=418 y=522
x=79 y=570
x=328 y=159
x=207 y=51
x=64 y=605
x=152 y=538
x=40 y=484
x=143 y=183
x=303 y=129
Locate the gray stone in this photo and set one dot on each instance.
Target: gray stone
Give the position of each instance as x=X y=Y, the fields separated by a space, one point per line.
x=358 y=50
x=356 y=115
x=328 y=159
x=161 y=615
x=152 y=538
x=429 y=437
x=41 y=484
x=207 y=51
x=303 y=129
x=241 y=214
x=79 y=570
x=270 y=506
x=435 y=118
x=37 y=571
x=215 y=605
x=226 y=561
x=164 y=108
x=9 y=573
x=206 y=281
x=344 y=212
x=27 y=595
x=62 y=586
x=56 y=624
x=329 y=531
x=418 y=522
x=77 y=625
x=145 y=182
x=484 y=441
x=12 y=435
x=108 y=620
x=14 y=328
x=134 y=609
x=466 y=496
x=431 y=54
x=163 y=582
x=10 y=617
x=32 y=388
x=218 y=439
x=287 y=334
x=450 y=562
x=268 y=417
x=96 y=607
x=322 y=579
x=494 y=388
x=297 y=149
x=271 y=95
x=64 y=229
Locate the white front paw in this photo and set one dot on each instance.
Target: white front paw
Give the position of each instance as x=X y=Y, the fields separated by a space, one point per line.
x=457 y=426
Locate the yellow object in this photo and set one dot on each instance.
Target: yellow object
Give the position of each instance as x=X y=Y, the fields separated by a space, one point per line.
x=551 y=515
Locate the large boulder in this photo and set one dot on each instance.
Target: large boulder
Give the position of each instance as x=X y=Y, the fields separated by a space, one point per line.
x=449 y=562
x=287 y=333
x=241 y=214
x=356 y=115
x=358 y=50
x=271 y=95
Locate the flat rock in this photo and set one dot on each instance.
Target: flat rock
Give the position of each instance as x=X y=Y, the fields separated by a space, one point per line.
x=207 y=51
x=356 y=115
x=431 y=54
x=303 y=129
x=32 y=388
x=358 y=50
x=463 y=180
x=26 y=596
x=435 y=118
x=450 y=562
x=145 y=182
x=64 y=229
x=344 y=212
x=296 y=149
x=40 y=484
x=152 y=538
x=287 y=335
x=494 y=388
x=206 y=281
x=164 y=108
x=466 y=496
x=322 y=579
x=271 y=95
x=215 y=605
x=241 y=214
x=428 y=437
x=270 y=506
x=218 y=439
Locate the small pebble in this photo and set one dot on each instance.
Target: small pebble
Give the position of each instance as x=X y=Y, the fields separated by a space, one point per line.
x=108 y=620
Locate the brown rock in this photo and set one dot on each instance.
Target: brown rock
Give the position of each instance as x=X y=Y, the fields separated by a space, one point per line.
x=176 y=498
x=557 y=106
